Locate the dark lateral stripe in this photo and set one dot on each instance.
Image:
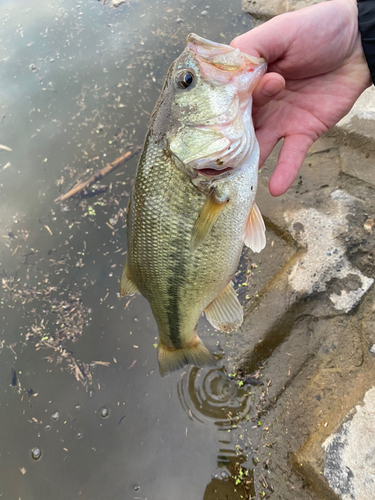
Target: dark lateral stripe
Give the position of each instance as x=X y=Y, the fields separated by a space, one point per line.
x=177 y=269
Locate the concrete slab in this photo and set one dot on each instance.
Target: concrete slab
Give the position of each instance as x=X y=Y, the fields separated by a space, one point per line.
x=358 y=163
x=350 y=460
x=308 y=338
x=325 y=259
x=320 y=265
x=360 y=119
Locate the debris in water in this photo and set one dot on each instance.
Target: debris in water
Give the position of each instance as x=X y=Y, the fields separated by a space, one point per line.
x=369 y=225
x=14 y=376
x=99 y=175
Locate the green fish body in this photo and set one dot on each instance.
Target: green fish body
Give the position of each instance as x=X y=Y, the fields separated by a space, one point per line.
x=191 y=209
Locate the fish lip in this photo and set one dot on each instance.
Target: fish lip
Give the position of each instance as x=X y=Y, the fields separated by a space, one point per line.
x=207 y=49
x=194 y=39
x=213 y=172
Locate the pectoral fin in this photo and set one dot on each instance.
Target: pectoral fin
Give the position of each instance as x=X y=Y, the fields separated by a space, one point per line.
x=206 y=220
x=255 y=232
x=225 y=312
x=127 y=285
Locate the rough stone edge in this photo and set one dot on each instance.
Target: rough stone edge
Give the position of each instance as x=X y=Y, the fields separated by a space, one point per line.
x=312 y=469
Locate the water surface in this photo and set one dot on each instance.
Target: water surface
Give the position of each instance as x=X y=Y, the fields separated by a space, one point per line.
x=83 y=410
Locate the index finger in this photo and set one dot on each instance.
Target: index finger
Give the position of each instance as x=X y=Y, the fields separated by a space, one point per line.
x=269 y=40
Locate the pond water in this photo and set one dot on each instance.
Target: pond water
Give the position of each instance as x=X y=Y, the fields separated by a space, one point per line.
x=84 y=412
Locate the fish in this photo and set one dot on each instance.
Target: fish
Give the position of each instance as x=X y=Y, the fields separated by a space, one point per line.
x=192 y=205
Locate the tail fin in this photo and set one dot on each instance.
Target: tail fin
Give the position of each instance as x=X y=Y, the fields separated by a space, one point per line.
x=173 y=359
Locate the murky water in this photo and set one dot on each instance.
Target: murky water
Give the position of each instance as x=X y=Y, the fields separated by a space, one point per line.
x=83 y=410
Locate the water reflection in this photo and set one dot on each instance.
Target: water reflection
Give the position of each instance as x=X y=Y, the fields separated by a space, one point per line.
x=233 y=485
x=210 y=395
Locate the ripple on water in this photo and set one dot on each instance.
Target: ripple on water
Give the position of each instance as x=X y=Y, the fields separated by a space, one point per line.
x=211 y=396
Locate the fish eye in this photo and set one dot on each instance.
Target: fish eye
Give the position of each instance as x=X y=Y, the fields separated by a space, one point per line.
x=185 y=79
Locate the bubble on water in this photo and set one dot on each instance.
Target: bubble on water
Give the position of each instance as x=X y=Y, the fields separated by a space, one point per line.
x=56 y=415
x=36 y=453
x=48 y=427
x=136 y=320
x=77 y=407
x=33 y=67
x=104 y=412
x=79 y=435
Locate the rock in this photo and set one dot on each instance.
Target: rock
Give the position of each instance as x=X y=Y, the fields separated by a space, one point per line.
x=325 y=258
x=265 y=9
x=360 y=118
x=350 y=460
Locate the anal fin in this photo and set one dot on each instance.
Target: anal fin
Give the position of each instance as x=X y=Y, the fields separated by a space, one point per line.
x=225 y=312
x=127 y=285
x=206 y=220
x=255 y=232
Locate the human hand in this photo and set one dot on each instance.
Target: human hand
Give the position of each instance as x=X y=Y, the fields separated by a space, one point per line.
x=317 y=70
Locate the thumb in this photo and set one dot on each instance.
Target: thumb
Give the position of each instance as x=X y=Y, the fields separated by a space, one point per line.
x=268 y=88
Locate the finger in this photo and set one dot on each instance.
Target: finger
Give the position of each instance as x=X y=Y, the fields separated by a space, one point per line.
x=268 y=88
x=269 y=40
x=267 y=141
x=290 y=160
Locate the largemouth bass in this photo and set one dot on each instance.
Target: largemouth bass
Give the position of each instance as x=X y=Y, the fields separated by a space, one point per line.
x=192 y=206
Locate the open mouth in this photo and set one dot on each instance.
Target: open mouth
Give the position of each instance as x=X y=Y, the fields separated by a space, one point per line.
x=210 y=172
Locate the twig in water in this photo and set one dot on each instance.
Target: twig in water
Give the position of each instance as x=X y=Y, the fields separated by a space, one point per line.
x=99 y=175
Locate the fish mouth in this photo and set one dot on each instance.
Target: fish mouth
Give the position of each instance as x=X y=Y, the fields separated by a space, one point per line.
x=212 y=172
x=223 y=56
x=208 y=45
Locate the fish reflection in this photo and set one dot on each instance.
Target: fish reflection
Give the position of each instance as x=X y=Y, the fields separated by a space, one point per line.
x=229 y=486
x=209 y=395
